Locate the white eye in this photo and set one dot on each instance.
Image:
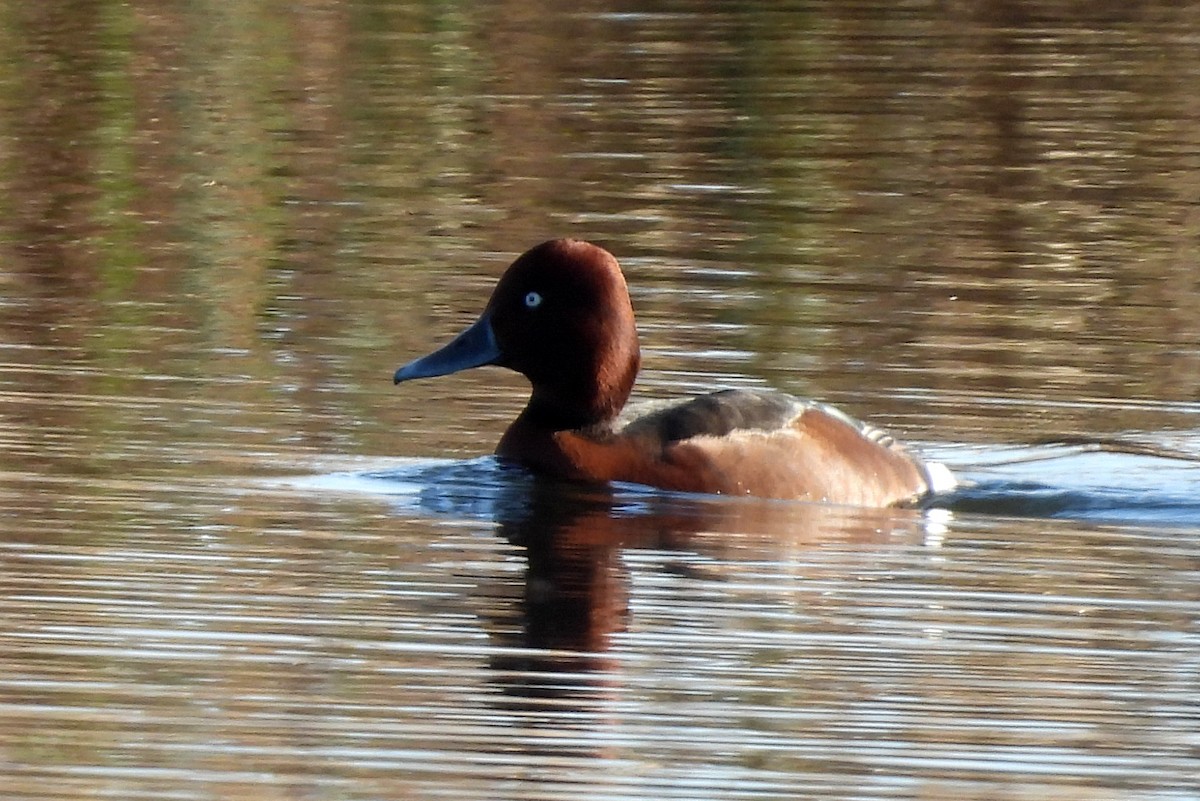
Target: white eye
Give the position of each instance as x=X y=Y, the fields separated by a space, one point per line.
x=533 y=300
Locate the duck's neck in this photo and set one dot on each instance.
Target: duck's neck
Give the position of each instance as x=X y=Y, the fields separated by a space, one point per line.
x=582 y=394
x=551 y=410
x=533 y=438
x=534 y=445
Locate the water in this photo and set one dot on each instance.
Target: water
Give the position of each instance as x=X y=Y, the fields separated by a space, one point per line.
x=236 y=562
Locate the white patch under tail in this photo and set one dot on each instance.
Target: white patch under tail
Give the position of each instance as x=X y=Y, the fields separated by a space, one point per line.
x=938 y=477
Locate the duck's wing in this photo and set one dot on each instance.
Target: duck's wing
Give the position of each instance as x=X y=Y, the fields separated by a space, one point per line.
x=715 y=414
x=770 y=444
x=727 y=411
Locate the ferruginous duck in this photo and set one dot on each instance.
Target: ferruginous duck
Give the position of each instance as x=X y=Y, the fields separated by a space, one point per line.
x=561 y=316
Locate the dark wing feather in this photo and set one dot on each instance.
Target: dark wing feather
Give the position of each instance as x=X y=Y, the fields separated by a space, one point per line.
x=715 y=415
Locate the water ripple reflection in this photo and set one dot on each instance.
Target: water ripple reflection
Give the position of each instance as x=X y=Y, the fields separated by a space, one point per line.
x=546 y=639
x=968 y=222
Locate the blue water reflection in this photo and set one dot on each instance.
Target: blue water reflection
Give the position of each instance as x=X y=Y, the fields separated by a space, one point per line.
x=1096 y=483
x=1111 y=483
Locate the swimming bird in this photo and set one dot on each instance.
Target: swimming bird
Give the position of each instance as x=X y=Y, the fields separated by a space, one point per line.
x=562 y=317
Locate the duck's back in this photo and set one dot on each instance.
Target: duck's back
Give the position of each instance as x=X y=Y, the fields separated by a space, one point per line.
x=764 y=443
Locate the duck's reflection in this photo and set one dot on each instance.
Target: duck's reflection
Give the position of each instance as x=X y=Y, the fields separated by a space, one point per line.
x=555 y=635
x=573 y=539
x=559 y=670
x=576 y=589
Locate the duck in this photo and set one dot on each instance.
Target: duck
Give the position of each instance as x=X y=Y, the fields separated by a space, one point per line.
x=561 y=316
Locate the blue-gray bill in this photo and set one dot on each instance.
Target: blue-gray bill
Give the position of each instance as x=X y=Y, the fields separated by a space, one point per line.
x=474 y=347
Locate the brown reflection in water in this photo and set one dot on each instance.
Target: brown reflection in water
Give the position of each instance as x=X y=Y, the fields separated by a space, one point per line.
x=159 y=165
x=601 y=138
x=1082 y=153
x=994 y=198
x=48 y=230
x=576 y=584
x=576 y=590
x=1034 y=211
x=51 y=131
x=1012 y=180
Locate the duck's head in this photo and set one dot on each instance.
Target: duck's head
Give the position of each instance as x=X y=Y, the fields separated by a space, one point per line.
x=560 y=316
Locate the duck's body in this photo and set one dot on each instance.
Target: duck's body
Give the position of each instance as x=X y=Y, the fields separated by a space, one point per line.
x=561 y=315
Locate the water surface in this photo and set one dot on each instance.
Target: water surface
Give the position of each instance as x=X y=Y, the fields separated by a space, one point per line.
x=235 y=562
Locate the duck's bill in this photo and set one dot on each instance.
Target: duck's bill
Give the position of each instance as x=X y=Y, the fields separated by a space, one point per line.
x=474 y=347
